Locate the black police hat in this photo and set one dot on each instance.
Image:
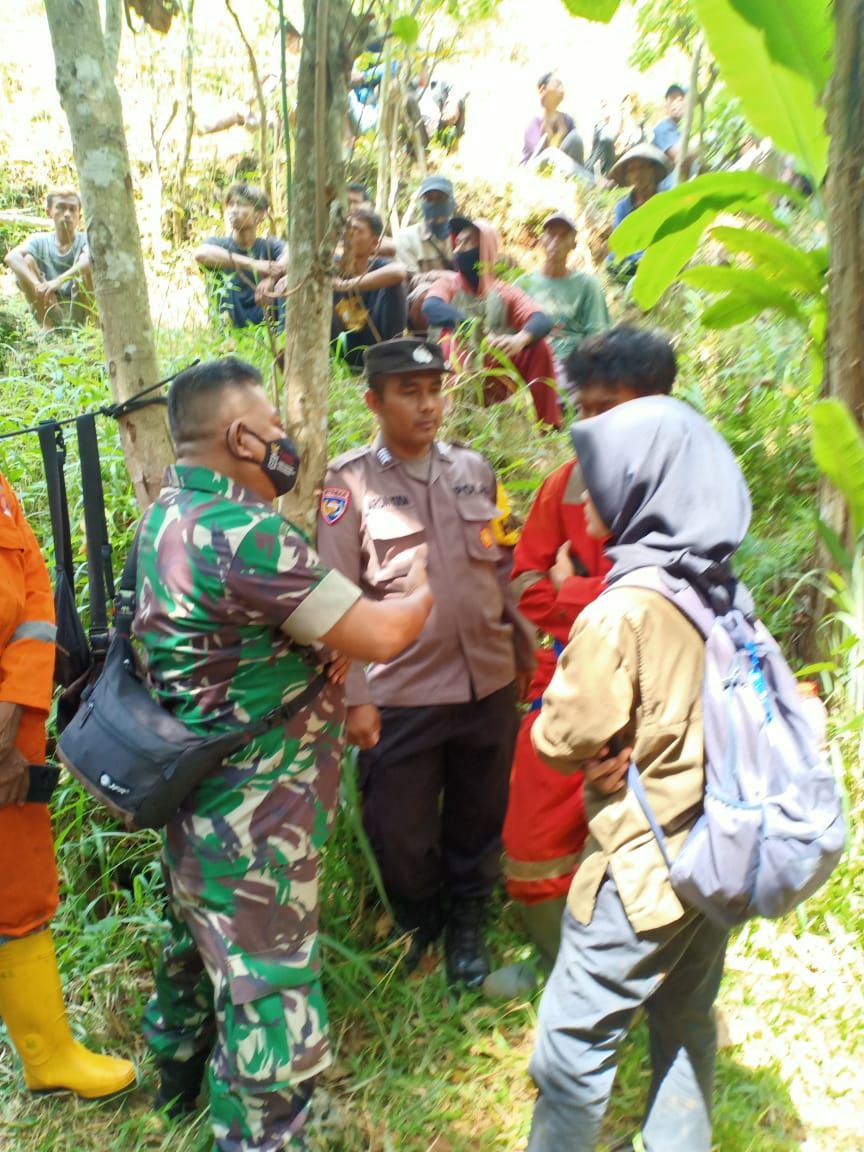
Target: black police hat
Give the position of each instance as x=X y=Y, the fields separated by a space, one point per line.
x=395 y=357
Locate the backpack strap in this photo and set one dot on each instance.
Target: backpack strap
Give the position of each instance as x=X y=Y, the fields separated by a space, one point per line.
x=53 y=448
x=677 y=591
x=100 y=576
x=634 y=783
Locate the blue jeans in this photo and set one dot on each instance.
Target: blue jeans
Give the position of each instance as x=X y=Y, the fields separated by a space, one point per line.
x=603 y=974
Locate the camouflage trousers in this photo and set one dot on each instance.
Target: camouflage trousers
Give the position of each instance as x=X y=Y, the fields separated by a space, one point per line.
x=258 y=1099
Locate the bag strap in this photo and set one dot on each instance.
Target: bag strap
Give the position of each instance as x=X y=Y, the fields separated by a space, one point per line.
x=100 y=576
x=677 y=591
x=634 y=783
x=125 y=600
x=53 y=448
x=125 y=605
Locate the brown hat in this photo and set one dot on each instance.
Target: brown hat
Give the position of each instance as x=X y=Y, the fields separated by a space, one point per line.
x=648 y=152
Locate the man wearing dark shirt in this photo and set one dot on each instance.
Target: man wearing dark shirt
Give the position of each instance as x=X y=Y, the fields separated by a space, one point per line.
x=247 y=265
x=369 y=302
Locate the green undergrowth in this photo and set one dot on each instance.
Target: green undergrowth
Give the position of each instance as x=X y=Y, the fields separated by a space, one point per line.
x=417 y=1068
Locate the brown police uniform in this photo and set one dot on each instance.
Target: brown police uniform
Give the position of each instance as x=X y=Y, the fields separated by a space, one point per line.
x=448 y=705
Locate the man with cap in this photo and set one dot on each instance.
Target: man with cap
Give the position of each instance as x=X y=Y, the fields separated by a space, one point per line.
x=573 y=301
x=642 y=170
x=667 y=132
x=436 y=726
x=424 y=248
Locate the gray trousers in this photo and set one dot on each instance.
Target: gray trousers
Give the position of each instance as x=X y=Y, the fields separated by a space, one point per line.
x=603 y=974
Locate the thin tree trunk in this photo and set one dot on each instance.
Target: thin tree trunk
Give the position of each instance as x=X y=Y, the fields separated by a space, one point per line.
x=92 y=106
x=263 y=132
x=692 y=97
x=845 y=364
x=322 y=96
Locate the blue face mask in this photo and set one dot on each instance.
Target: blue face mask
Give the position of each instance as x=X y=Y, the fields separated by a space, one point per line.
x=436 y=215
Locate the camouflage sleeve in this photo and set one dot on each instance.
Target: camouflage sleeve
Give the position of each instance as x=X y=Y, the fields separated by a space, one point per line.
x=282 y=581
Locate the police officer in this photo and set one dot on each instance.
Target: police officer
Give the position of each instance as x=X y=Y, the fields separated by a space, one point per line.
x=436 y=726
x=233 y=606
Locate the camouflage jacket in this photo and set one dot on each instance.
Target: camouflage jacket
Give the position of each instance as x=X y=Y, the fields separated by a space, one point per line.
x=231 y=600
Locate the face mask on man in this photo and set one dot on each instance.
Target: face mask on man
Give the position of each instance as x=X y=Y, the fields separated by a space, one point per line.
x=467 y=262
x=281 y=462
x=436 y=215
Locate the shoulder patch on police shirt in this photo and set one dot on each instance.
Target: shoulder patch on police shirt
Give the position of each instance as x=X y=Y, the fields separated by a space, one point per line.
x=334 y=502
x=347 y=458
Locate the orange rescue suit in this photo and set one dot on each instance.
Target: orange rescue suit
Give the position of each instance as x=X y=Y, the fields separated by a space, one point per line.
x=28 y=873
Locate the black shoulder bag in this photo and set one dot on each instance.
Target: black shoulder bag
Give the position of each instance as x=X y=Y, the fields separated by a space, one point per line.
x=131 y=753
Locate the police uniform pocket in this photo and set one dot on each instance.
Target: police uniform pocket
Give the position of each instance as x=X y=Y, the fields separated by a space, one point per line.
x=394 y=534
x=477 y=514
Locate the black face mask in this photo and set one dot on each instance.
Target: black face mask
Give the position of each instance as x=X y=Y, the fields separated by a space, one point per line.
x=467 y=262
x=281 y=463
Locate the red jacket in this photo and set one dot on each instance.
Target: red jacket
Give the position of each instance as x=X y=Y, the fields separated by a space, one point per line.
x=545 y=827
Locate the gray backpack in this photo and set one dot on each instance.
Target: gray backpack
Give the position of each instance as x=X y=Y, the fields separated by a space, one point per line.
x=772 y=829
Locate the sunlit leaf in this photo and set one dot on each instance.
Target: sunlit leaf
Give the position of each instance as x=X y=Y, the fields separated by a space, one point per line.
x=798 y=34
x=777 y=257
x=602 y=10
x=670 y=225
x=838 y=448
x=778 y=102
x=406 y=28
x=748 y=294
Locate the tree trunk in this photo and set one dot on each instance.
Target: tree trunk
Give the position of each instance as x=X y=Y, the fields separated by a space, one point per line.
x=322 y=100
x=845 y=364
x=92 y=106
x=692 y=98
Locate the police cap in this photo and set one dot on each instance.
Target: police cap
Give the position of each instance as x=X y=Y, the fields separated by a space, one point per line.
x=395 y=357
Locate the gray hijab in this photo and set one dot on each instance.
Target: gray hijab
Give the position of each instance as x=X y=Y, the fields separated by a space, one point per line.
x=670 y=490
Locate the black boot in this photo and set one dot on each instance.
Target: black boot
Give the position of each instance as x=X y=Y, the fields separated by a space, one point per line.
x=180 y=1085
x=464 y=945
x=422 y=922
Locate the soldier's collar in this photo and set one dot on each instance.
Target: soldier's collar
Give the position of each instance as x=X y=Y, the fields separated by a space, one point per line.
x=200 y=479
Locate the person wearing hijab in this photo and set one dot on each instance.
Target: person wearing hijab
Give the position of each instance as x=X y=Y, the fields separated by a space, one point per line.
x=663 y=489
x=492 y=322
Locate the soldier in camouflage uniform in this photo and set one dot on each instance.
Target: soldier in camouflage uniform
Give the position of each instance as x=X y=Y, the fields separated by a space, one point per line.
x=232 y=605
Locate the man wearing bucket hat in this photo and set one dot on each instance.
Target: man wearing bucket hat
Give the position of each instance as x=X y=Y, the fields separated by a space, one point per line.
x=436 y=726
x=642 y=169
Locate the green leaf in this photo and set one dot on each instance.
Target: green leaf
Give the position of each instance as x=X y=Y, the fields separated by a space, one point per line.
x=665 y=258
x=778 y=102
x=406 y=28
x=602 y=10
x=747 y=301
x=670 y=224
x=677 y=208
x=798 y=34
x=837 y=443
x=834 y=545
x=777 y=257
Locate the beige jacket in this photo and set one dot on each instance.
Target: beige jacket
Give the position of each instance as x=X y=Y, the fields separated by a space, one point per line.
x=633 y=666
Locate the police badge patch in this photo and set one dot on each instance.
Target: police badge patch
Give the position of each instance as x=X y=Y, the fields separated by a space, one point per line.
x=334 y=501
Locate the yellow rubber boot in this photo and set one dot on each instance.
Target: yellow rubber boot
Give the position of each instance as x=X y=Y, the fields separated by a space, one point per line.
x=31 y=1005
